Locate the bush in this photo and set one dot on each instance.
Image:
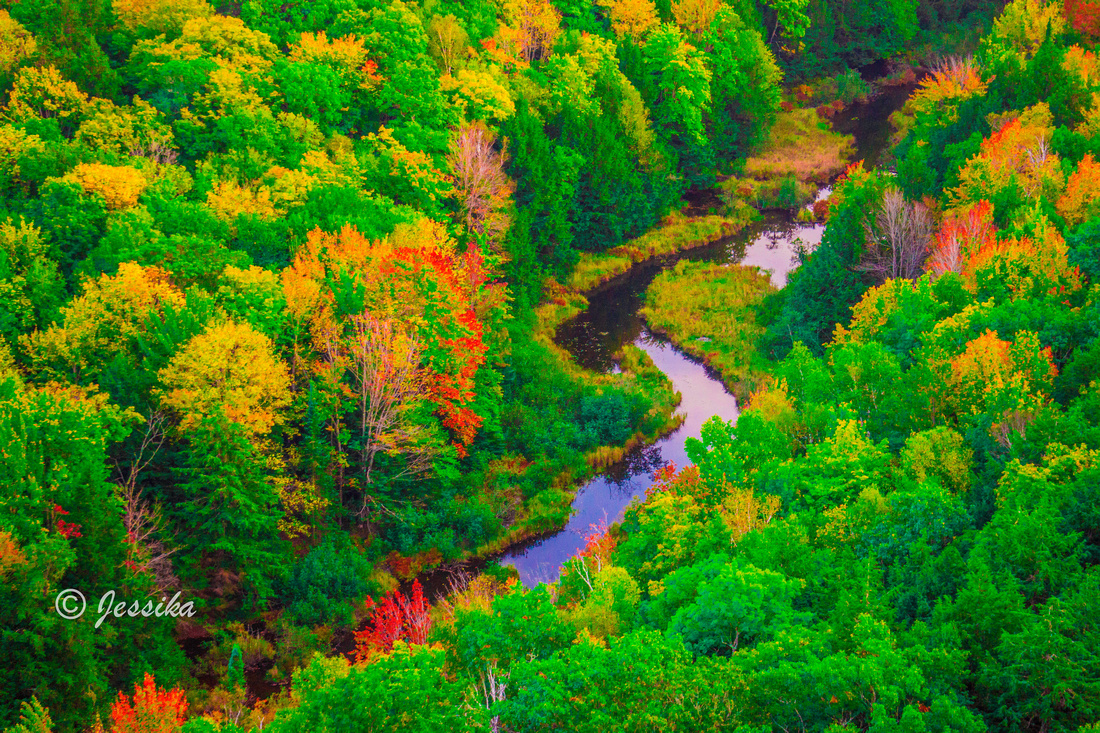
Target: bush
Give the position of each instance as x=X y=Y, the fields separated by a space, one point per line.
x=323 y=584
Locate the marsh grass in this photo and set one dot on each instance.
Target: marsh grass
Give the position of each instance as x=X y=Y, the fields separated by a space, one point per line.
x=780 y=193
x=803 y=146
x=709 y=311
x=677 y=233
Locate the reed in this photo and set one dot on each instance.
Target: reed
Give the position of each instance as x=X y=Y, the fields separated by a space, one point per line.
x=709 y=311
x=801 y=145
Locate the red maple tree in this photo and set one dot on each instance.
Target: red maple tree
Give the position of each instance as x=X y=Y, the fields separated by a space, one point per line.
x=396 y=616
x=152 y=710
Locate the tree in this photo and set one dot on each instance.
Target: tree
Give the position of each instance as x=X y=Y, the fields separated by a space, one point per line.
x=384 y=360
x=396 y=321
x=744 y=85
x=30 y=284
x=404 y=691
x=677 y=86
x=695 y=16
x=152 y=710
x=631 y=18
x=791 y=14
x=229 y=502
x=483 y=188
x=736 y=608
x=159 y=16
x=962 y=234
x=105 y=320
x=537 y=23
x=448 y=41
x=1081 y=201
x=16 y=45
x=396 y=617
x=898 y=241
x=229 y=368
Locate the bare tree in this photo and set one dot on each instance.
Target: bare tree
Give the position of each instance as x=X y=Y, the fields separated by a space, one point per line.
x=492 y=689
x=897 y=241
x=142 y=519
x=384 y=361
x=484 y=189
x=956 y=68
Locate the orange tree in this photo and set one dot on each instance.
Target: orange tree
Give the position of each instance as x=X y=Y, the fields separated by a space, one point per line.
x=395 y=343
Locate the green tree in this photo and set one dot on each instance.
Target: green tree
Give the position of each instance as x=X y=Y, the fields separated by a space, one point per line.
x=229 y=505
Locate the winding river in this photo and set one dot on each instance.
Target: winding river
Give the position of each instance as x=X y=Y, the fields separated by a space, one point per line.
x=612 y=321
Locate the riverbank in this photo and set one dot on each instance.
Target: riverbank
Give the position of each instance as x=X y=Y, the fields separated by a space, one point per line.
x=708 y=310
x=677 y=233
x=803 y=153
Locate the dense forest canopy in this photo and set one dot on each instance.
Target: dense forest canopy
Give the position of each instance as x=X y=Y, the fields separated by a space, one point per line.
x=268 y=339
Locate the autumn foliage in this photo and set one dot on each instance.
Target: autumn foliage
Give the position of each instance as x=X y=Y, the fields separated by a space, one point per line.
x=1084 y=16
x=962 y=234
x=151 y=710
x=396 y=616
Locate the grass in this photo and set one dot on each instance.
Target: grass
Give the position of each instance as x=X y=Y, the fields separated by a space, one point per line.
x=676 y=233
x=708 y=310
x=778 y=193
x=801 y=145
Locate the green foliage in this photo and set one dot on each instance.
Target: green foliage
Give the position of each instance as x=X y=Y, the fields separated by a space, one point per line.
x=325 y=582
x=228 y=503
x=404 y=690
x=820 y=292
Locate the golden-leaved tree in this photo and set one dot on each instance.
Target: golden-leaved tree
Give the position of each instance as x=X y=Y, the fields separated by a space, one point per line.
x=230 y=367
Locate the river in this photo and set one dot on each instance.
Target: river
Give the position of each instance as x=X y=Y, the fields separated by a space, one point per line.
x=612 y=321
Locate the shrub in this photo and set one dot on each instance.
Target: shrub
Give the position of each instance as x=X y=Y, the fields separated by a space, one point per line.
x=323 y=584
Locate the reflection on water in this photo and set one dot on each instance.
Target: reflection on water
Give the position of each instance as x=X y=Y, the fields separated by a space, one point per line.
x=604 y=499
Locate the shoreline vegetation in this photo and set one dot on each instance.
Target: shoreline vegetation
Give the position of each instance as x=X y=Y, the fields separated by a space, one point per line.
x=677 y=233
x=802 y=154
x=709 y=311
x=692 y=302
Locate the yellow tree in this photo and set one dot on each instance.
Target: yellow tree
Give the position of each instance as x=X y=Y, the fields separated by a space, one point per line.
x=105 y=319
x=1009 y=380
x=16 y=43
x=538 y=22
x=346 y=55
x=634 y=18
x=695 y=16
x=160 y=16
x=231 y=368
x=119 y=185
x=40 y=93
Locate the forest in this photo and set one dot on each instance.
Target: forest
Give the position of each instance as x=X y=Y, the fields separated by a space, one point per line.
x=279 y=288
